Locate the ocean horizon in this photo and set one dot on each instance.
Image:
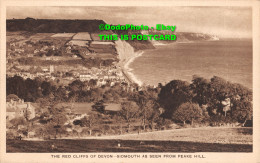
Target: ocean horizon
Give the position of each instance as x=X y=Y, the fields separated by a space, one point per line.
x=228 y=59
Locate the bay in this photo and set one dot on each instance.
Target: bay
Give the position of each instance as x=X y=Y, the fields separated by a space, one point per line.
x=229 y=59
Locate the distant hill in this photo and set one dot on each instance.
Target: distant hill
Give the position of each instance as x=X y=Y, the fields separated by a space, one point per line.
x=92 y=26
x=185 y=36
x=53 y=25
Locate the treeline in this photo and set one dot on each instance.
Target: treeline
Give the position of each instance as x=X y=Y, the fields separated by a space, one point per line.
x=203 y=101
x=88 y=62
x=215 y=100
x=77 y=91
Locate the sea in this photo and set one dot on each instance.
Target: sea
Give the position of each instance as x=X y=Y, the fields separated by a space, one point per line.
x=230 y=59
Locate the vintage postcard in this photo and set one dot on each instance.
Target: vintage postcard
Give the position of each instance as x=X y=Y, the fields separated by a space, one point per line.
x=130 y=81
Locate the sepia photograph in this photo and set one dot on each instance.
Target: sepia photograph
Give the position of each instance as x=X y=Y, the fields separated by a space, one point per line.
x=118 y=82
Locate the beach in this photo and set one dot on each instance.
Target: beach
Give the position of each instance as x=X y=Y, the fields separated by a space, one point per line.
x=128 y=71
x=126 y=56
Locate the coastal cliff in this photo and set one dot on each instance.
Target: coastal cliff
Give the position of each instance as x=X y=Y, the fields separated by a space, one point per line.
x=126 y=55
x=92 y=26
x=53 y=25
x=124 y=50
x=183 y=36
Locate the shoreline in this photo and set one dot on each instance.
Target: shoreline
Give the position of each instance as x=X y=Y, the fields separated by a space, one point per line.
x=128 y=71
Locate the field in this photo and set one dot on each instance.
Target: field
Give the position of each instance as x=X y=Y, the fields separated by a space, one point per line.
x=162 y=141
x=86 y=108
x=40 y=36
x=82 y=36
x=10 y=36
x=79 y=42
x=96 y=37
x=63 y=35
x=222 y=135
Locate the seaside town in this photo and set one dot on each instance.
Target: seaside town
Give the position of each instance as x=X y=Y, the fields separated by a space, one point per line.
x=45 y=57
x=19 y=53
x=70 y=85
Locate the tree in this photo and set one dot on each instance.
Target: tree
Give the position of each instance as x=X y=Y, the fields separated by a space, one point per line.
x=119 y=119
x=60 y=94
x=90 y=121
x=18 y=121
x=46 y=88
x=162 y=123
x=148 y=112
x=27 y=114
x=57 y=118
x=152 y=116
x=76 y=85
x=97 y=94
x=242 y=111
x=147 y=102
x=92 y=83
x=16 y=85
x=187 y=112
x=219 y=90
x=78 y=129
x=200 y=88
x=239 y=98
x=32 y=87
x=42 y=131
x=99 y=106
x=173 y=94
x=129 y=111
x=13 y=97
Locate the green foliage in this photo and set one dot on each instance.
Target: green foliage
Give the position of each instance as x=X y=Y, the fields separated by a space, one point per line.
x=173 y=94
x=147 y=102
x=200 y=88
x=209 y=94
x=162 y=123
x=129 y=111
x=91 y=121
x=242 y=111
x=201 y=100
x=13 y=97
x=18 y=121
x=187 y=112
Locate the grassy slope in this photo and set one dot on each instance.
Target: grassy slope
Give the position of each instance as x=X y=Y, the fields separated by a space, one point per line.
x=182 y=140
x=208 y=134
x=93 y=145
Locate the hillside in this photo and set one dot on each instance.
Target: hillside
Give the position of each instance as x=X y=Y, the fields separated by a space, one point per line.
x=222 y=135
x=185 y=36
x=91 y=26
x=179 y=140
x=53 y=25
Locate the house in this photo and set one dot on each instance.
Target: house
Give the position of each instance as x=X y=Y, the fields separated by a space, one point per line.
x=49 y=69
x=101 y=82
x=30 y=55
x=44 y=69
x=84 y=77
x=36 y=51
x=16 y=109
x=31 y=134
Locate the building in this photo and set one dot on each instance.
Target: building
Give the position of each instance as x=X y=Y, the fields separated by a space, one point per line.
x=16 y=109
x=51 y=68
x=84 y=77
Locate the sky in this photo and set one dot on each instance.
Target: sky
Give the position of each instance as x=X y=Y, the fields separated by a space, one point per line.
x=228 y=22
